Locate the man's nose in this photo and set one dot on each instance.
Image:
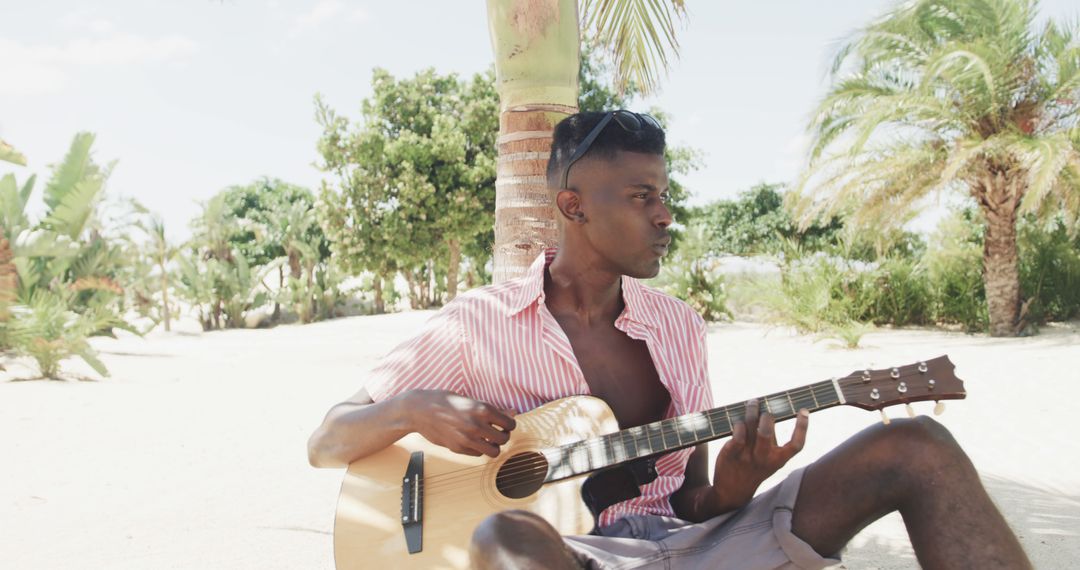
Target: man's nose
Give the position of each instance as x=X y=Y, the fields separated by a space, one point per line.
x=663 y=216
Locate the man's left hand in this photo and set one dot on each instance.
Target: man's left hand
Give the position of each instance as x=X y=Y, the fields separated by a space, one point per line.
x=752 y=455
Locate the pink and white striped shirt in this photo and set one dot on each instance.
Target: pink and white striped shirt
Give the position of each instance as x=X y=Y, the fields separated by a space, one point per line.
x=500 y=344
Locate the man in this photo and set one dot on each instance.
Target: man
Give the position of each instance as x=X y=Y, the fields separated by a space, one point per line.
x=580 y=323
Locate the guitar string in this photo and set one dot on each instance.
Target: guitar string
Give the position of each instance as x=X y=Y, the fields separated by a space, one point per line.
x=524 y=470
x=599 y=441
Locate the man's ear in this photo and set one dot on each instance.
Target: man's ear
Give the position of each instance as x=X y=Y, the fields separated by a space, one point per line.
x=568 y=202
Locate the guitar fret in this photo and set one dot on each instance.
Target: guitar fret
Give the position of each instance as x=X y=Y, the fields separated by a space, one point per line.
x=805 y=400
x=690 y=429
x=669 y=442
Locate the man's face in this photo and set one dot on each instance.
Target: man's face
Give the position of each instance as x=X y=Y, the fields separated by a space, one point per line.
x=624 y=205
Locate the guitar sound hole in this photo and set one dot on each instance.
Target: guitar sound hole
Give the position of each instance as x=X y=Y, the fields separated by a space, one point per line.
x=522 y=475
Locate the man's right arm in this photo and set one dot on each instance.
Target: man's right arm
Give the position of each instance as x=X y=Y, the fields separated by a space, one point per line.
x=359 y=427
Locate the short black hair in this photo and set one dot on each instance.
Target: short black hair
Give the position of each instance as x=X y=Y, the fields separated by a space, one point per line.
x=573 y=129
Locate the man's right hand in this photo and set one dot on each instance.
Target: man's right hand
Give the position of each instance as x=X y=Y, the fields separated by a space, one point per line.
x=457 y=423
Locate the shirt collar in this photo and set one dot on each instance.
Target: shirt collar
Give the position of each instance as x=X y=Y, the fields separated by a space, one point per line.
x=532 y=291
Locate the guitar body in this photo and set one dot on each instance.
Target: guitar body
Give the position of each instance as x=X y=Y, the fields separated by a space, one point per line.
x=459 y=491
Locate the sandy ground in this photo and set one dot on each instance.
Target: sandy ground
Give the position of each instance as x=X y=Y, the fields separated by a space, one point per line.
x=192 y=454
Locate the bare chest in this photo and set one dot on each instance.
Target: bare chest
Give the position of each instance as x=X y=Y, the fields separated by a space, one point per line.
x=620 y=371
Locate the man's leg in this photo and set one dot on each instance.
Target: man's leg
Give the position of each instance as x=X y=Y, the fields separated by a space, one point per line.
x=520 y=540
x=915 y=467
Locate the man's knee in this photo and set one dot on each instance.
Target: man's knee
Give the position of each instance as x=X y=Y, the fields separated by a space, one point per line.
x=517 y=538
x=918 y=440
x=922 y=436
x=507 y=528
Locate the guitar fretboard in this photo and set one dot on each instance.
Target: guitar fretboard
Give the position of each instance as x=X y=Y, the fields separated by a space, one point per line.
x=679 y=432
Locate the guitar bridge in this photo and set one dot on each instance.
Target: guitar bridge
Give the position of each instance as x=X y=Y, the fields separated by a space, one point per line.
x=412 y=503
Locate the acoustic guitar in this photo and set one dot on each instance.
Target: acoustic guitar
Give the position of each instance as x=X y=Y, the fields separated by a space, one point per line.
x=415 y=504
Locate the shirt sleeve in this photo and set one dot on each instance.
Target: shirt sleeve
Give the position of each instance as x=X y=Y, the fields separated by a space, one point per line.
x=433 y=359
x=701 y=384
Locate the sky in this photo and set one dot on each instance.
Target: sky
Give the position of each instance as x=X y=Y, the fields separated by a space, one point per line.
x=192 y=96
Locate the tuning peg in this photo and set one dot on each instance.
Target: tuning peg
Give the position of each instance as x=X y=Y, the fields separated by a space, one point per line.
x=884 y=417
x=910 y=410
x=939 y=408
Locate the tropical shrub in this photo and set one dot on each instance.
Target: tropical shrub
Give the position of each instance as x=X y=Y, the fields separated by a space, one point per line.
x=690 y=274
x=894 y=291
x=65 y=269
x=1049 y=271
x=46 y=329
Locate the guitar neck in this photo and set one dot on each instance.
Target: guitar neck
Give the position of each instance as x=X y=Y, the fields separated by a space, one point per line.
x=680 y=432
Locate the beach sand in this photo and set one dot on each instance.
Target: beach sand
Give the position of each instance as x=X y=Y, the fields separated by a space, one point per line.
x=192 y=454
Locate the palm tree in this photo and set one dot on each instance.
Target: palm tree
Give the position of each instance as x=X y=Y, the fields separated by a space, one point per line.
x=162 y=253
x=953 y=96
x=536 y=63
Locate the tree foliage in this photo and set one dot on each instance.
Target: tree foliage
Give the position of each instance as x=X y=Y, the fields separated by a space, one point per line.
x=245 y=234
x=414 y=180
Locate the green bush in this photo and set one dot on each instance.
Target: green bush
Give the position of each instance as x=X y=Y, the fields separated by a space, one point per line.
x=895 y=291
x=953 y=263
x=1049 y=271
x=691 y=274
x=818 y=295
x=47 y=330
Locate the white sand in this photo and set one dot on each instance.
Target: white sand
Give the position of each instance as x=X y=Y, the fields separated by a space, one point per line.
x=192 y=455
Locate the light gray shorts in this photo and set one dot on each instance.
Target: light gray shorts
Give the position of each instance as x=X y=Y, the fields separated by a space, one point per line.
x=756 y=537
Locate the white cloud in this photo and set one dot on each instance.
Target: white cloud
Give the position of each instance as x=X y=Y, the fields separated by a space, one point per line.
x=792 y=158
x=100 y=26
x=83 y=20
x=359 y=15
x=326 y=11
x=323 y=11
x=29 y=69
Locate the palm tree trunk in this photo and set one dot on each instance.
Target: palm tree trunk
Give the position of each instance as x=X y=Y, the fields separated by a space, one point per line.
x=294 y=264
x=380 y=303
x=453 y=270
x=414 y=298
x=536 y=63
x=1000 y=257
x=165 y=295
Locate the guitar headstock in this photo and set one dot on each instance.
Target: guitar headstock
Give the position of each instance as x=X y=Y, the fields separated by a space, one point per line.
x=926 y=380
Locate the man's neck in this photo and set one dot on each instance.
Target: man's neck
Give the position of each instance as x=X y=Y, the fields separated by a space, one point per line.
x=577 y=288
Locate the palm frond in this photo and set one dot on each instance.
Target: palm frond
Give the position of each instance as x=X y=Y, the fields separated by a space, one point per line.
x=640 y=34
x=75 y=167
x=70 y=214
x=1046 y=158
x=43 y=243
x=9 y=154
x=12 y=208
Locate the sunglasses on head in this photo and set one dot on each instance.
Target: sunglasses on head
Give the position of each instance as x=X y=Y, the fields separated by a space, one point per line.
x=628 y=120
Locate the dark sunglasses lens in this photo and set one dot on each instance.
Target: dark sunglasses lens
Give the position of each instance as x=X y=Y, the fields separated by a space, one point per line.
x=650 y=120
x=628 y=120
